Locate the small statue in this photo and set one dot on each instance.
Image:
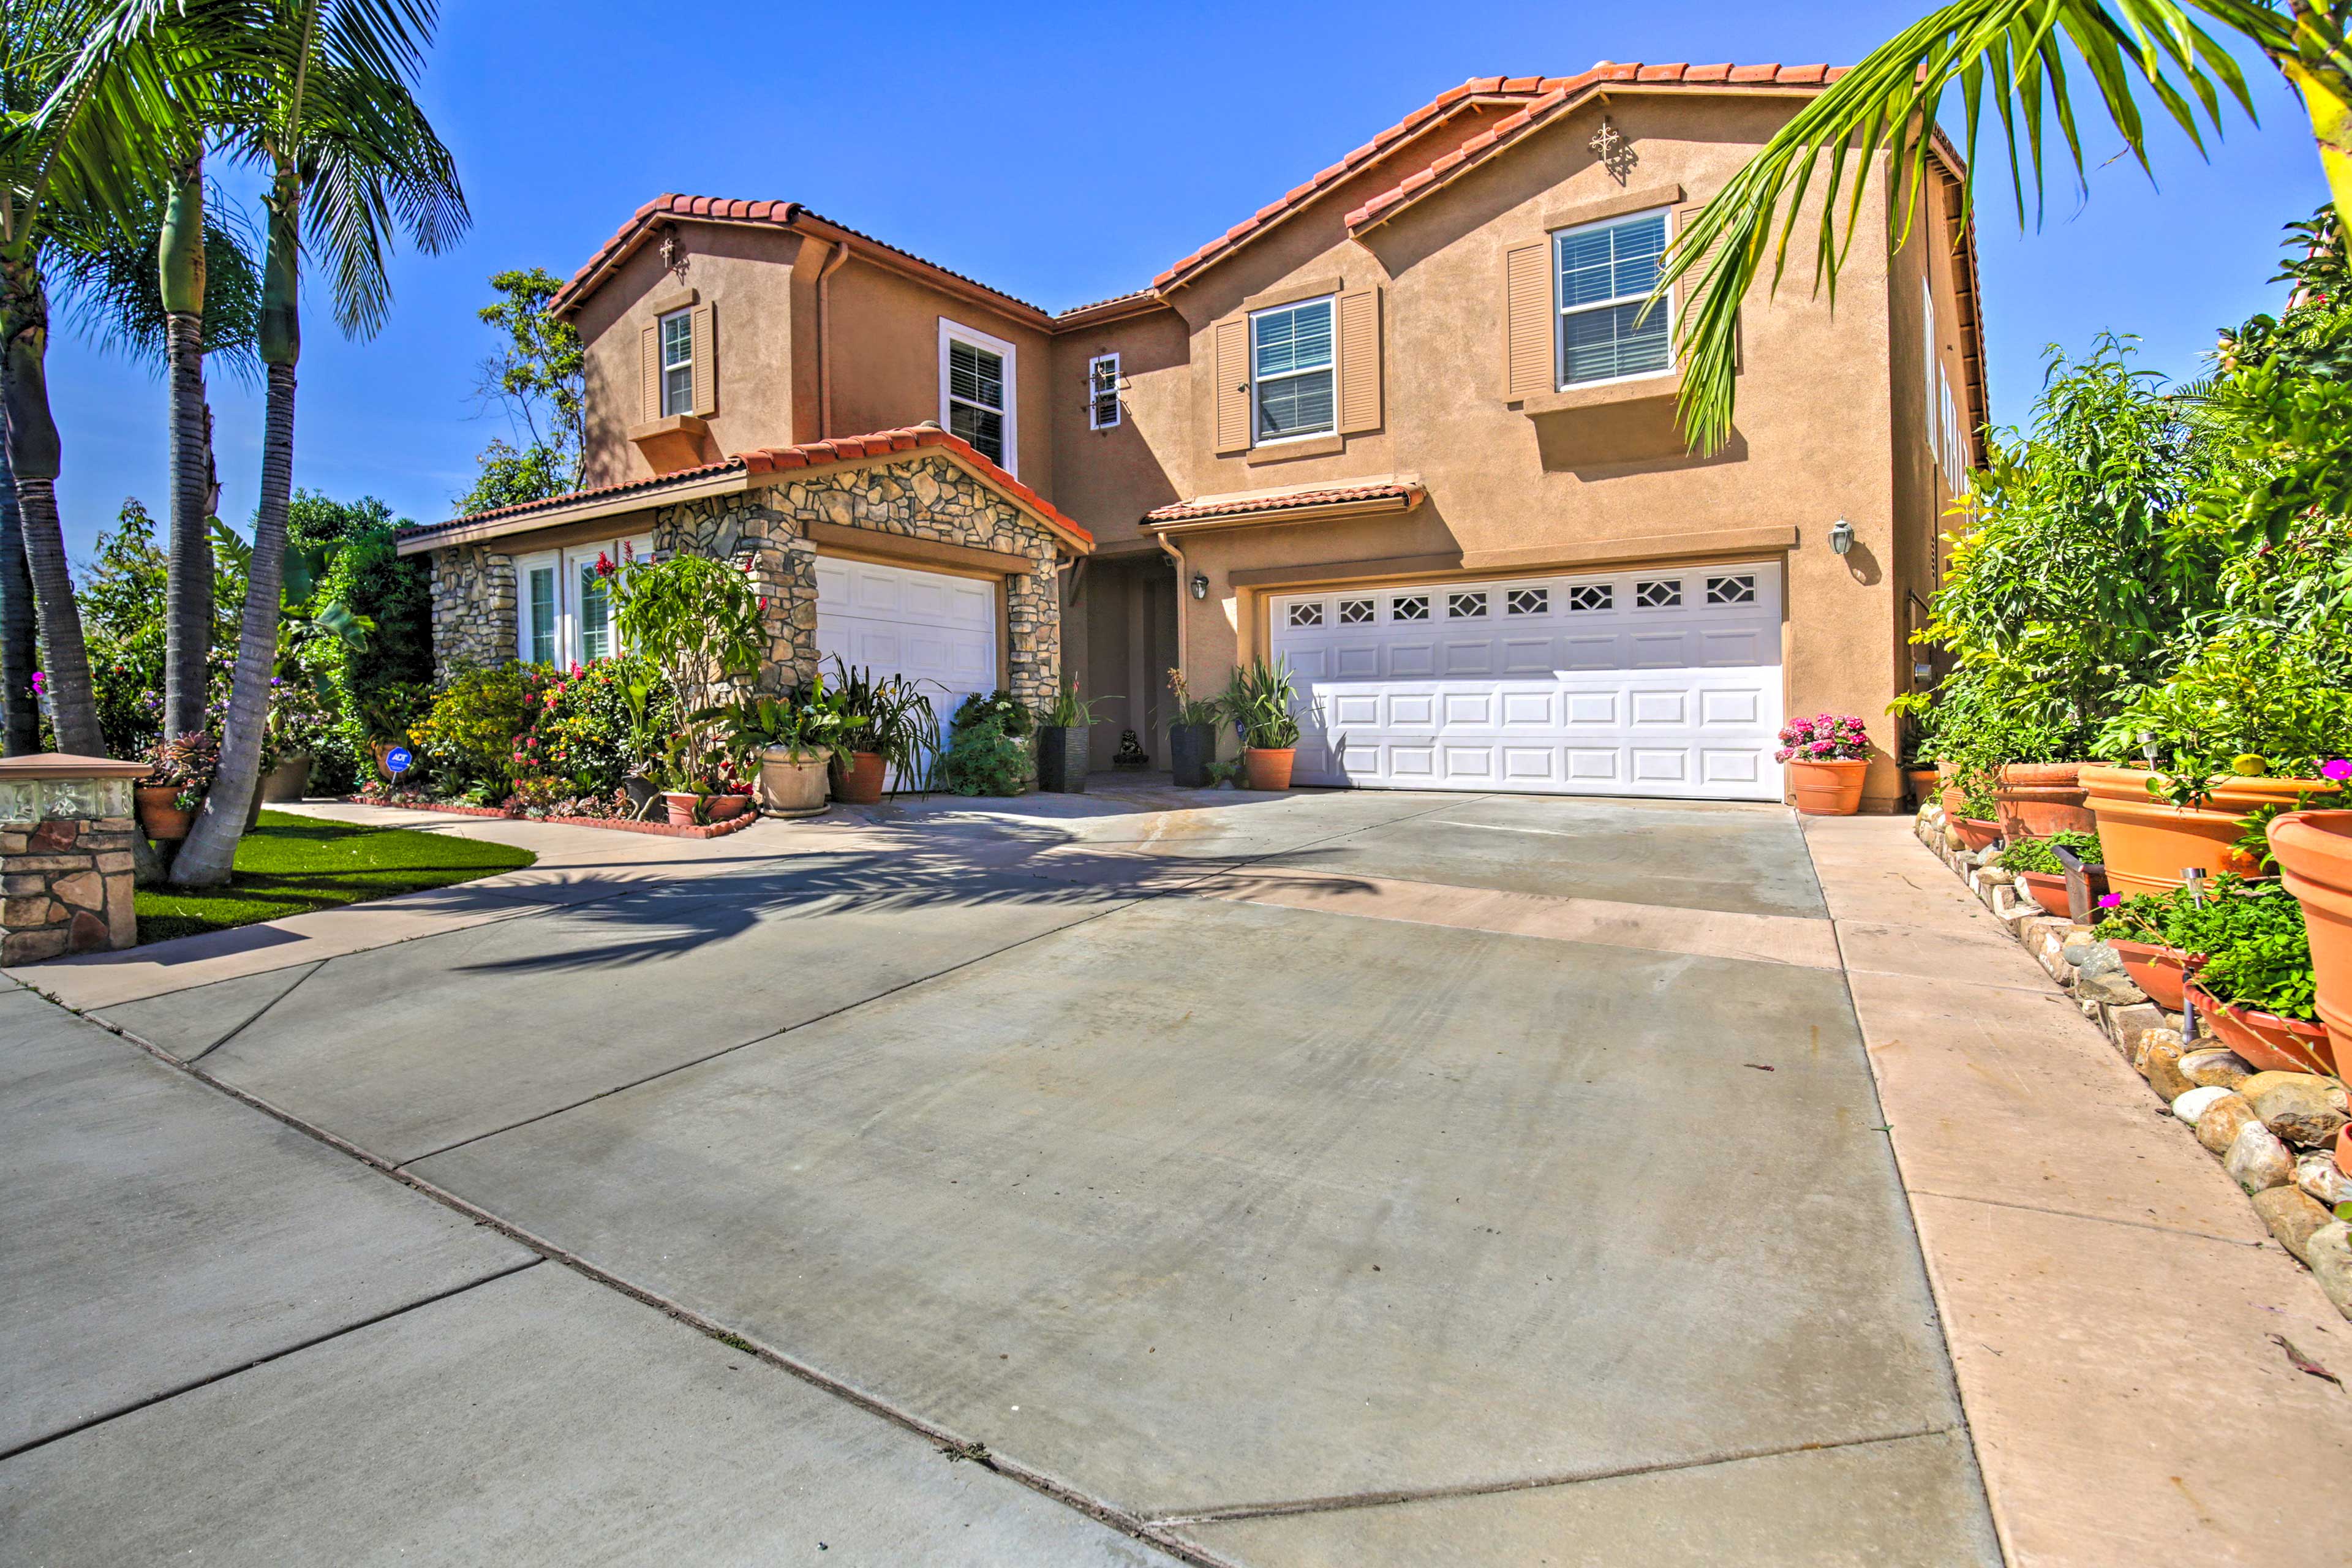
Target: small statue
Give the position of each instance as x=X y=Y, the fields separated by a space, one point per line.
x=1130 y=753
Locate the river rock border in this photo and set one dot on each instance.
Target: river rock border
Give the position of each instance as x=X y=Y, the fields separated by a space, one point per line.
x=2273 y=1132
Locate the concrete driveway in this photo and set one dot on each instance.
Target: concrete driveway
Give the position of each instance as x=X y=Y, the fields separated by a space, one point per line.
x=1328 y=1178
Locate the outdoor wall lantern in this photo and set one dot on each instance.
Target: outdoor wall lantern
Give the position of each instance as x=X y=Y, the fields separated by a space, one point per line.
x=1200 y=584
x=1841 y=537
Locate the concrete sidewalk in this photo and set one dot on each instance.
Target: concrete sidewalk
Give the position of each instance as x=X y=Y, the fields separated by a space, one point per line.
x=2108 y=1296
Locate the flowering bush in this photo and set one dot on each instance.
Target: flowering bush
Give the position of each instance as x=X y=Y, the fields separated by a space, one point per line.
x=1824 y=737
x=596 y=724
x=478 y=732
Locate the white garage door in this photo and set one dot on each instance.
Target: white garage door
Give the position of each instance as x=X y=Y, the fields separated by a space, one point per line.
x=1661 y=682
x=928 y=626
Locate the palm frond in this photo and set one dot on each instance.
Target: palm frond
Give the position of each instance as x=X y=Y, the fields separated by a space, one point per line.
x=2018 y=53
x=103 y=279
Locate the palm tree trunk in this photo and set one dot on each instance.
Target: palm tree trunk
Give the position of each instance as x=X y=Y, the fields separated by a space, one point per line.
x=188 y=581
x=34 y=455
x=20 y=713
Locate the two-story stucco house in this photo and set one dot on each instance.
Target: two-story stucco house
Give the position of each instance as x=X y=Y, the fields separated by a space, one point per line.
x=1405 y=427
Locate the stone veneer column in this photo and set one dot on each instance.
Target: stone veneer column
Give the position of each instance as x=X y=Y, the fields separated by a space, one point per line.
x=66 y=840
x=473 y=605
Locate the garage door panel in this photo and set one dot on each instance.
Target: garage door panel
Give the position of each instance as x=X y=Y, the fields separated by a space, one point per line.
x=1633 y=683
x=930 y=627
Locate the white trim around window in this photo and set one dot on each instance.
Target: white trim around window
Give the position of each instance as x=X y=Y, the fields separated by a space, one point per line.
x=675 y=334
x=563 y=611
x=965 y=409
x=1294 y=353
x=1102 y=392
x=1602 y=274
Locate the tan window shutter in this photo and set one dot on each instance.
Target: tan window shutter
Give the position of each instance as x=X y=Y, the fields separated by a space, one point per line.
x=1528 y=365
x=1687 y=288
x=649 y=374
x=1232 y=369
x=1359 y=361
x=706 y=363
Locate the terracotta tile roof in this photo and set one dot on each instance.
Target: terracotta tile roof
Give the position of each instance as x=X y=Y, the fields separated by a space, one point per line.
x=1542 y=96
x=723 y=209
x=1406 y=490
x=781 y=460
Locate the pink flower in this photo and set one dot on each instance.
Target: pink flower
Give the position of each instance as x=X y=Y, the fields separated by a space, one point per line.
x=2338 y=769
x=2109 y=900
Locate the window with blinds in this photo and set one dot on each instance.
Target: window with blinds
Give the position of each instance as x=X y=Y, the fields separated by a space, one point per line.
x=677 y=363
x=1606 y=271
x=1291 y=369
x=1102 y=392
x=976 y=398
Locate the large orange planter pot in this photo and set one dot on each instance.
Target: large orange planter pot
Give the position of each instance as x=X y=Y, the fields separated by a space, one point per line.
x=1828 y=789
x=2159 y=971
x=1268 y=767
x=2315 y=857
x=2271 y=1043
x=858 y=777
x=2038 y=799
x=2149 y=841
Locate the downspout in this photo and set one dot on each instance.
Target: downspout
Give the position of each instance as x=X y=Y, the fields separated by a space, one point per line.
x=1183 y=589
x=825 y=339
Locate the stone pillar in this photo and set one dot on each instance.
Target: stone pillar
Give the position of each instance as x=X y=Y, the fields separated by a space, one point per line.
x=473 y=606
x=65 y=839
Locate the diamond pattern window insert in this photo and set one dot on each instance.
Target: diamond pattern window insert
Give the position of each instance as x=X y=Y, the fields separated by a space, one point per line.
x=1739 y=590
x=1305 y=614
x=1592 y=597
x=1465 y=607
x=1408 y=607
x=1529 y=602
x=1661 y=595
x=1355 y=612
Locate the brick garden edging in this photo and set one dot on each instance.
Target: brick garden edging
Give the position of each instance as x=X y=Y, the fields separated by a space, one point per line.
x=621 y=825
x=2256 y=1134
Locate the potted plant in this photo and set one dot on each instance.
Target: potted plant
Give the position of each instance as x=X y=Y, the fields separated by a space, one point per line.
x=2036 y=863
x=897 y=735
x=179 y=775
x=1062 y=745
x=699 y=624
x=2241 y=731
x=793 y=741
x=1258 y=701
x=388 y=711
x=2314 y=850
x=1828 y=757
x=2042 y=800
x=988 y=748
x=1192 y=736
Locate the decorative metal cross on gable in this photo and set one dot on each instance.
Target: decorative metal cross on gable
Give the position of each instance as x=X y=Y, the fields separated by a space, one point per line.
x=675 y=260
x=1615 y=152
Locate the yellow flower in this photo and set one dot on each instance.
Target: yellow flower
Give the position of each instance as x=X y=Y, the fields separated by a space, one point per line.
x=2249 y=765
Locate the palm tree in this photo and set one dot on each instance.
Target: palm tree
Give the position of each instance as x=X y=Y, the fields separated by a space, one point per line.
x=188 y=586
x=351 y=158
x=2018 y=51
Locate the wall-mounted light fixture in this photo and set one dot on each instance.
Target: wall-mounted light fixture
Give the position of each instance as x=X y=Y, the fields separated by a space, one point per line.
x=1841 y=537
x=1200 y=584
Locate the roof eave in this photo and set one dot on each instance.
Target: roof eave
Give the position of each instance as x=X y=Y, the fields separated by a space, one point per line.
x=652 y=493
x=1329 y=511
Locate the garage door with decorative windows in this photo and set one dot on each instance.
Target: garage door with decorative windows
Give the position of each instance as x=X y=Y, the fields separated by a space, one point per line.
x=1660 y=682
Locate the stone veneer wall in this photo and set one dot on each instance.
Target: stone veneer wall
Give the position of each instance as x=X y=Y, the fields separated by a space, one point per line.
x=473 y=605
x=762 y=530
x=69 y=888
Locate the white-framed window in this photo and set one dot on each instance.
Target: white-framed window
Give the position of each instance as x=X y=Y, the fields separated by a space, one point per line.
x=1292 y=370
x=564 y=602
x=1605 y=272
x=977 y=384
x=1102 y=392
x=677 y=363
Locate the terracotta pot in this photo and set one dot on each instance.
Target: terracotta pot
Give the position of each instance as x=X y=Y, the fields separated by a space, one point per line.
x=2315 y=857
x=1921 y=782
x=290 y=780
x=2272 y=1043
x=728 y=808
x=2039 y=799
x=2049 y=892
x=2344 y=1148
x=858 y=777
x=1976 y=835
x=1828 y=789
x=2149 y=841
x=2159 y=970
x=792 y=781
x=683 y=804
x=158 y=818
x=1268 y=767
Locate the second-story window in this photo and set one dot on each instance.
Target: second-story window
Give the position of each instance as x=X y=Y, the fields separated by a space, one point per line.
x=1102 y=392
x=677 y=363
x=976 y=392
x=1606 y=273
x=1291 y=370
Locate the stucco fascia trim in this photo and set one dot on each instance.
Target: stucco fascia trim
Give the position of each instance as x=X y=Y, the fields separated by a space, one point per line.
x=903 y=550
x=581 y=511
x=1289 y=294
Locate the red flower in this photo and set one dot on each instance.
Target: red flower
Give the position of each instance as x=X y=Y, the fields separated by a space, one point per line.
x=604 y=567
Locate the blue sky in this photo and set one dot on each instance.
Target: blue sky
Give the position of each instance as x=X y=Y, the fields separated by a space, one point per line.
x=1064 y=154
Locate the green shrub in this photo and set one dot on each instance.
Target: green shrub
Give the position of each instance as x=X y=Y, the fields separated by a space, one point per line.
x=2251 y=935
x=589 y=734
x=983 y=758
x=367 y=579
x=2039 y=854
x=1001 y=705
x=477 y=734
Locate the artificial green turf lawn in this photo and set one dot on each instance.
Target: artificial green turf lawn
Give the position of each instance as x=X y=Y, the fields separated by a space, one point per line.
x=291 y=865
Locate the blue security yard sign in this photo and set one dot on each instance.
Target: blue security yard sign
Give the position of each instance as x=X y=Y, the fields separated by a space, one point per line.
x=400 y=758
